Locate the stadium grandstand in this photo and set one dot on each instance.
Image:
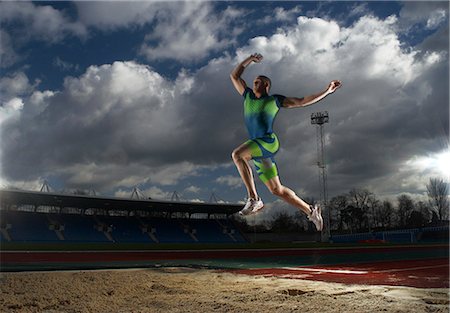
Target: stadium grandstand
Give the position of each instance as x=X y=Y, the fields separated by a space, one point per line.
x=46 y=217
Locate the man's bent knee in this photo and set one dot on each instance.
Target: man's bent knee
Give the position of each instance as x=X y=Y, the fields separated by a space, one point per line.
x=237 y=155
x=277 y=190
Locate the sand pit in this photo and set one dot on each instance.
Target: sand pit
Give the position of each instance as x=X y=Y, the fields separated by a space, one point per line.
x=201 y=290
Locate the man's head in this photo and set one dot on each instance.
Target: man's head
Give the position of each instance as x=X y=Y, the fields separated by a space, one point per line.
x=261 y=84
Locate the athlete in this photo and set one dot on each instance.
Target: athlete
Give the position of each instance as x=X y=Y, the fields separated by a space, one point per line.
x=260 y=110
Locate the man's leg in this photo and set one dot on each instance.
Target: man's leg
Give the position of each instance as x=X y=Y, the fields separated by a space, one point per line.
x=287 y=194
x=241 y=156
x=313 y=212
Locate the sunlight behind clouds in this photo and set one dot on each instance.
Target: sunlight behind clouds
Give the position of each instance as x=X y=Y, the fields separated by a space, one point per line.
x=436 y=165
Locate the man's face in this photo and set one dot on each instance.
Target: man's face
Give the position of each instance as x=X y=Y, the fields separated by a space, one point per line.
x=259 y=85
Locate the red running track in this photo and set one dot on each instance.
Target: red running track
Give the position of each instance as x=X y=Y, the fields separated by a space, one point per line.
x=432 y=273
x=413 y=270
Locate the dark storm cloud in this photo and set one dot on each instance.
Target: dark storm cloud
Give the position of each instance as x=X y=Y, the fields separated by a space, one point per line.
x=122 y=118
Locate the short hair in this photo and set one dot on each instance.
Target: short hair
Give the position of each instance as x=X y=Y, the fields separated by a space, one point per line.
x=267 y=80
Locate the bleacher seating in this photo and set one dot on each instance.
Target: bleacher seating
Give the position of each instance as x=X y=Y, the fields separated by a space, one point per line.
x=169 y=230
x=28 y=227
x=232 y=229
x=79 y=228
x=125 y=229
x=52 y=227
x=209 y=232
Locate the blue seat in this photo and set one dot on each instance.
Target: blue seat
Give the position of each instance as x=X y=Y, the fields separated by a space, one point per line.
x=29 y=227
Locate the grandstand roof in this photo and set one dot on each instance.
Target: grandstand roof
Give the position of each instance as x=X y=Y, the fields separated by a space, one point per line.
x=20 y=197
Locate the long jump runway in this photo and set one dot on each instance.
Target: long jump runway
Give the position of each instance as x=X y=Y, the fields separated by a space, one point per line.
x=421 y=266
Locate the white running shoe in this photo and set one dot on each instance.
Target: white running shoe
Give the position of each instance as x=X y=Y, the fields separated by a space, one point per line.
x=258 y=206
x=316 y=216
x=252 y=206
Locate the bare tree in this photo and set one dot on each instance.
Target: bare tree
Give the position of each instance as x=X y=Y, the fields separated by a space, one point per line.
x=425 y=209
x=359 y=199
x=416 y=219
x=373 y=205
x=355 y=218
x=384 y=214
x=337 y=204
x=437 y=191
x=405 y=207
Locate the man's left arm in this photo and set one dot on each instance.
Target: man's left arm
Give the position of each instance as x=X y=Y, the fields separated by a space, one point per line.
x=292 y=102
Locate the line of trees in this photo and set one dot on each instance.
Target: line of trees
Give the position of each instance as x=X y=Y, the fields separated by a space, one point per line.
x=360 y=211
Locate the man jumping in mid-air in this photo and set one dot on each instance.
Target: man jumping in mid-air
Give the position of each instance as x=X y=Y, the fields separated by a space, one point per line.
x=260 y=110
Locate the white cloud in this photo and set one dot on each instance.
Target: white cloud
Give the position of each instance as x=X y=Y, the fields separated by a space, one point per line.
x=158 y=193
x=24 y=22
x=39 y=21
x=230 y=181
x=196 y=200
x=108 y=15
x=189 y=31
x=10 y=109
x=33 y=185
x=282 y=14
x=119 y=124
x=14 y=85
x=436 y=19
x=152 y=192
x=8 y=55
x=359 y=9
x=192 y=189
x=432 y=14
x=185 y=31
x=170 y=175
x=14 y=104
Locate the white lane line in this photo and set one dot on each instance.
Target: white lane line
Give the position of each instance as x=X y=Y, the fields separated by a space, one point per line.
x=411 y=268
x=325 y=270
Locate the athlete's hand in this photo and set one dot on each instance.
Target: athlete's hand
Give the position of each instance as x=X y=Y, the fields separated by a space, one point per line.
x=256 y=57
x=334 y=85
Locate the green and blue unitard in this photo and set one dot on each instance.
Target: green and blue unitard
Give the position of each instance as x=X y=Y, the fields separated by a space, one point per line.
x=259 y=116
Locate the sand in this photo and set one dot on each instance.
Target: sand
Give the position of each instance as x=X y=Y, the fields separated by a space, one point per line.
x=202 y=290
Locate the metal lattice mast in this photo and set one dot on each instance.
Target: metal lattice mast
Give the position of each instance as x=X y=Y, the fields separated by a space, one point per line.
x=45 y=187
x=320 y=118
x=137 y=193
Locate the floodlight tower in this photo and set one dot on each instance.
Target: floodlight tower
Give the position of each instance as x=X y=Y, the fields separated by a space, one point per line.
x=320 y=118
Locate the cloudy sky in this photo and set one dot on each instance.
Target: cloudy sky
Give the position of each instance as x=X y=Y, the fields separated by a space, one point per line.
x=109 y=95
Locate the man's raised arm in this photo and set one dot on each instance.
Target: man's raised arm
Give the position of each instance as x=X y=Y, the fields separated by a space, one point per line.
x=291 y=102
x=235 y=75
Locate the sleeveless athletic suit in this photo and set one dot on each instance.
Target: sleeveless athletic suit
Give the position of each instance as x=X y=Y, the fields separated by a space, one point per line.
x=259 y=114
